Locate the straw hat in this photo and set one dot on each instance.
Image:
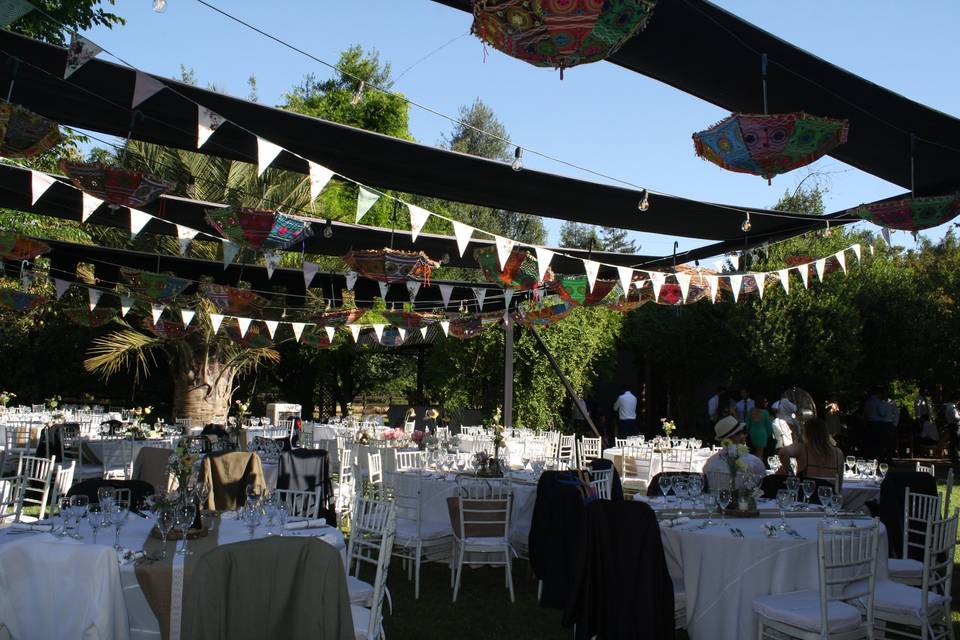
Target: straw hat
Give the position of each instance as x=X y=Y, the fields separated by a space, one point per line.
x=728 y=427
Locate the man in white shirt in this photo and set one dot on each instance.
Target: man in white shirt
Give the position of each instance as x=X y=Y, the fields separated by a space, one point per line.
x=626 y=408
x=731 y=429
x=744 y=405
x=713 y=404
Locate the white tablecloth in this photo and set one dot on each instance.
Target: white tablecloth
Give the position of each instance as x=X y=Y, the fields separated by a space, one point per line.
x=856 y=493
x=97 y=447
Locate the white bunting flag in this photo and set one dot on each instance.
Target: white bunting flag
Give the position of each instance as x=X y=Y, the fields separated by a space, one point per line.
x=463 y=233
x=735 y=261
x=544 y=257
x=273 y=260
x=319 y=177
x=215 y=320
x=657 y=278
x=403 y=333
x=330 y=333
x=90 y=204
x=309 y=270
x=207 y=122
x=445 y=291
x=187 y=316
x=804 y=270
x=384 y=289
x=244 y=325
x=271 y=327
x=413 y=287
x=821 y=268
x=683 y=279
x=185 y=235
x=626 y=278
x=138 y=220
x=735 y=283
x=718 y=266
x=13 y=10
x=94 y=297
x=365 y=200
x=351 y=279
x=785 y=279
x=355 y=331
x=418 y=218
x=445 y=325
x=297 y=328
x=504 y=249
x=378 y=330
x=841 y=257
x=267 y=152
x=714 y=287
x=872 y=251
x=480 y=293
x=423 y=332
x=856 y=251
x=230 y=252
x=886 y=235
x=592 y=268
x=61 y=286
x=156 y=310
x=761 y=280
x=80 y=52
x=126 y=303
x=39 y=183
x=507 y=297
x=144 y=86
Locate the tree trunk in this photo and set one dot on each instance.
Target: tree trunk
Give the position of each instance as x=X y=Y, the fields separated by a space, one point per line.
x=202 y=386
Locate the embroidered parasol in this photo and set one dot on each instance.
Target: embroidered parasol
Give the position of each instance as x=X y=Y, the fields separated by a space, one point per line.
x=391 y=265
x=519 y=272
x=559 y=33
x=19 y=300
x=14 y=247
x=576 y=289
x=232 y=300
x=552 y=310
x=339 y=318
x=258 y=229
x=470 y=326
x=911 y=214
x=24 y=134
x=768 y=145
x=316 y=338
x=87 y=318
x=410 y=319
x=156 y=286
x=167 y=329
x=116 y=186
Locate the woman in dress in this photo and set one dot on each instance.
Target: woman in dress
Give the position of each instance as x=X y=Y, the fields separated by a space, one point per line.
x=759 y=427
x=815 y=456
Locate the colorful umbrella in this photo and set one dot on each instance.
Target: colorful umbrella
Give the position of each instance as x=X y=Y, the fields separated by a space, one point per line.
x=24 y=134
x=19 y=300
x=339 y=318
x=520 y=271
x=233 y=301
x=768 y=145
x=552 y=310
x=576 y=289
x=14 y=247
x=470 y=326
x=410 y=319
x=87 y=318
x=116 y=186
x=168 y=329
x=156 y=286
x=256 y=337
x=391 y=337
x=559 y=33
x=258 y=229
x=316 y=338
x=390 y=265
x=911 y=214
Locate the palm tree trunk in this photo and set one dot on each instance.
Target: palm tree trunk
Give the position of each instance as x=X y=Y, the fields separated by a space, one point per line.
x=202 y=393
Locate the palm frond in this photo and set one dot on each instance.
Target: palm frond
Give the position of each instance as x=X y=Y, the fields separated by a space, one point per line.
x=120 y=350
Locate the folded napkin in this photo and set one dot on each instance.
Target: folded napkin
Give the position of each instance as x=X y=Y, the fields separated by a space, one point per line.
x=32 y=526
x=314 y=523
x=674 y=522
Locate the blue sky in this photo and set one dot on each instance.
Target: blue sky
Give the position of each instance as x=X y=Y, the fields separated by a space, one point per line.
x=600 y=116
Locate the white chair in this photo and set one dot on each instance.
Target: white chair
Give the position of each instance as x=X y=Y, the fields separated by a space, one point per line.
x=417 y=540
x=621 y=442
x=345 y=488
x=185 y=424
x=306 y=438
x=16 y=441
x=924 y=610
x=677 y=460
x=30 y=486
x=407 y=460
x=484 y=526
x=719 y=479
x=602 y=481
x=848 y=568
x=924 y=468
x=565 y=451
x=637 y=468
x=948 y=493
x=62 y=481
x=588 y=449
x=301 y=504
x=919 y=509
x=374 y=468
x=368 y=622
x=117 y=459
x=368 y=518
x=269 y=450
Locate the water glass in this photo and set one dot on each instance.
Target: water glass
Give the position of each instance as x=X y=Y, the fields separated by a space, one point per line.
x=166 y=519
x=861 y=465
x=186 y=513
x=78 y=509
x=681 y=490
x=851 y=464
x=883 y=466
x=809 y=487
x=724 y=496
x=283 y=515
x=793 y=483
x=62 y=517
x=118 y=517
x=825 y=494
x=784 y=498
x=709 y=504
x=106 y=496
x=836 y=505
x=251 y=517
x=665 y=483
x=96 y=518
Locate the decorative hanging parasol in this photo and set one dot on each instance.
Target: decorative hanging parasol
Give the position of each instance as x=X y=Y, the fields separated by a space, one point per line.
x=232 y=300
x=410 y=319
x=470 y=326
x=258 y=229
x=168 y=329
x=831 y=264
x=911 y=214
x=87 y=318
x=116 y=186
x=391 y=337
x=390 y=265
x=316 y=338
x=19 y=300
x=576 y=289
x=156 y=286
x=616 y=301
x=768 y=145
x=559 y=33
x=339 y=318
x=552 y=310
x=14 y=247
x=24 y=134
x=256 y=337
x=520 y=271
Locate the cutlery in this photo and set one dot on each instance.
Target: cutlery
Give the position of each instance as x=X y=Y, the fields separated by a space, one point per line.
x=740 y=533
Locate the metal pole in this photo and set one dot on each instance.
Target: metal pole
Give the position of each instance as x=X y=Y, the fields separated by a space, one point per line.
x=508 y=372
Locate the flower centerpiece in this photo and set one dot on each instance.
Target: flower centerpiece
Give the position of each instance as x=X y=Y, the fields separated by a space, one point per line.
x=53 y=402
x=242 y=409
x=180 y=465
x=139 y=429
x=87 y=399
x=6 y=397
x=362 y=437
x=669 y=426
x=745 y=485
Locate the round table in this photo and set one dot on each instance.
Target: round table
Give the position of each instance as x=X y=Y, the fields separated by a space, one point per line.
x=858 y=491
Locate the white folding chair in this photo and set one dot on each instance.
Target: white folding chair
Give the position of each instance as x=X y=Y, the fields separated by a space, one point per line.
x=484 y=526
x=368 y=622
x=848 y=568
x=948 y=493
x=588 y=449
x=369 y=518
x=185 y=424
x=30 y=486
x=919 y=509
x=717 y=480
x=637 y=468
x=602 y=482
x=565 y=451
x=117 y=459
x=17 y=438
x=62 y=481
x=417 y=540
x=677 y=460
x=620 y=443
x=374 y=468
x=268 y=450
x=925 y=468
x=300 y=504
x=306 y=438
x=411 y=460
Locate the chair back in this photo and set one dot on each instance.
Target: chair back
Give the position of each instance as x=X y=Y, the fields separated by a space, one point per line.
x=268 y=449
x=301 y=504
x=941 y=540
x=677 y=460
x=34 y=477
x=368 y=522
x=848 y=566
x=637 y=464
x=62 y=481
x=565 y=449
x=602 y=482
x=411 y=460
x=196 y=444
x=718 y=479
x=483 y=507
x=150 y=466
x=919 y=510
x=926 y=468
x=374 y=468
x=117 y=459
x=588 y=449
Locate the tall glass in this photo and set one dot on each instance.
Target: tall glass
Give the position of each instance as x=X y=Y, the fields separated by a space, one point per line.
x=809 y=487
x=665 y=483
x=724 y=496
x=682 y=490
x=825 y=494
x=793 y=483
x=96 y=517
x=78 y=509
x=118 y=516
x=709 y=504
x=186 y=512
x=851 y=464
x=836 y=505
x=166 y=519
x=784 y=498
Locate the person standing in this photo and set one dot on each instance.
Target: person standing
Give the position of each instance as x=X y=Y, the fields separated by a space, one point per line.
x=952 y=418
x=879 y=433
x=713 y=405
x=759 y=428
x=626 y=408
x=744 y=405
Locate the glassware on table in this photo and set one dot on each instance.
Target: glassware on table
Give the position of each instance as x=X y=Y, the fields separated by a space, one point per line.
x=186 y=513
x=851 y=463
x=682 y=490
x=836 y=505
x=709 y=504
x=78 y=509
x=270 y=511
x=809 y=487
x=106 y=496
x=793 y=484
x=825 y=494
x=861 y=465
x=251 y=517
x=665 y=483
x=253 y=494
x=60 y=520
x=283 y=515
x=96 y=518
x=166 y=519
x=724 y=496
x=872 y=469
x=119 y=513
x=884 y=467
x=784 y=498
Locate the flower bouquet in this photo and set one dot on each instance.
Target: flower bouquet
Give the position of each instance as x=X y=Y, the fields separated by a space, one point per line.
x=669 y=426
x=744 y=485
x=6 y=397
x=53 y=402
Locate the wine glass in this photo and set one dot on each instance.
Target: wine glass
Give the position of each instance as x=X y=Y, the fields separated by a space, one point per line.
x=709 y=503
x=724 y=496
x=186 y=513
x=251 y=517
x=106 y=497
x=682 y=490
x=793 y=483
x=825 y=494
x=78 y=509
x=784 y=498
x=861 y=465
x=665 y=482
x=96 y=518
x=851 y=464
x=809 y=487
x=166 y=519
x=883 y=466
x=283 y=515
x=836 y=505
x=118 y=517
x=270 y=510
x=62 y=517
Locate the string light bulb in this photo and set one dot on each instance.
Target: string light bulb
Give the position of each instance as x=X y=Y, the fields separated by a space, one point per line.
x=645 y=201
x=746 y=225
x=159 y=5
x=517 y=159
x=328 y=229
x=358 y=94
x=445 y=258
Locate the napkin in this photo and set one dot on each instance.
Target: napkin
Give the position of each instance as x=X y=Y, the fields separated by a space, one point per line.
x=315 y=523
x=675 y=521
x=23 y=526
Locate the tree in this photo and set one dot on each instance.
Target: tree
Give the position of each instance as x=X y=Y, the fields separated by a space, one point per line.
x=74 y=15
x=616 y=240
x=575 y=235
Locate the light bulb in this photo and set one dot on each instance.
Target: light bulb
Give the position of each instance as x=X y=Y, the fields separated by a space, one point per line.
x=358 y=94
x=645 y=202
x=746 y=225
x=445 y=258
x=517 y=159
x=159 y=5
x=328 y=230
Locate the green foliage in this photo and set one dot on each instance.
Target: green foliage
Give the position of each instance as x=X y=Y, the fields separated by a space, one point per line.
x=78 y=15
x=617 y=240
x=575 y=235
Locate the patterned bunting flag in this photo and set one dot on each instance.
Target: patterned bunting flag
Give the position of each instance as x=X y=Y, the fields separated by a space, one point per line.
x=272 y=259
x=80 y=52
x=504 y=249
x=418 y=218
x=207 y=123
x=319 y=177
x=544 y=257
x=592 y=268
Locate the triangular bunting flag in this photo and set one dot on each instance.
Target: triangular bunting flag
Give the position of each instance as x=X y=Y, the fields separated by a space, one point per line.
x=761 y=280
x=378 y=330
x=856 y=251
x=785 y=279
x=683 y=279
x=445 y=291
x=230 y=252
x=544 y=257
x=156 y=310
x=267 y=152
x=820 y=266
x=507 y=297
x=80 y=52
x=271 y=327
x=463 y=233
x=143 y=87
x=94 y=296
x=592 y=268
x=61 y=286
x=207 y=123
x=185 y=235
x=714 y=287
x=480 y=294
x=355 y=331
x=13 y=10
x=365 y=200
x=841 y=257
x=297 y=329
x=39 y=183
x=735 y=261
x=319 y=177
x=718 y=266
x=384 y=289
x=215 y=320
x=804 y=270
x=423 y=332
x=886 y=235
x=244 y=325
x=445 y=325
x=309 y=270
x=735 y=283
x=330 y=333
x=504 y=247
x=657 y=278
x=272 y=260
x=403 y=333
x=351 y=279
x=418 y=218
x=126 y=303
x=187 y=316
x=138 y=220
x=413 y=287
x=626 y=279
x=90 y=204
